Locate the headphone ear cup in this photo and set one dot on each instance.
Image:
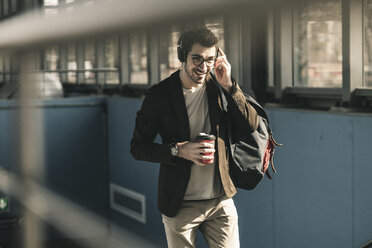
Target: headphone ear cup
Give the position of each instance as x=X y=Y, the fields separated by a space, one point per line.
x=181 y=53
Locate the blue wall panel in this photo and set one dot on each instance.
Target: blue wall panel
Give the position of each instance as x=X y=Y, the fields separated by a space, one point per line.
x=139 y=176
x=313 y=189
x=9 y=144
x=75 y=151
x=4 y=137
x=255 y=210
x=8 y=134
x=362 y=180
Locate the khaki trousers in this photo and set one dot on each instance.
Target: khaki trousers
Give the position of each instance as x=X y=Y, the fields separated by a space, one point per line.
x=217 y=220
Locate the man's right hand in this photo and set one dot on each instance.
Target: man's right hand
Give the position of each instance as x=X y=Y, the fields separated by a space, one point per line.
x=193 y=151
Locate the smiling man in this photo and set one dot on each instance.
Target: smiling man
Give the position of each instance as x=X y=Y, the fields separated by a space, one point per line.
x=195 y=189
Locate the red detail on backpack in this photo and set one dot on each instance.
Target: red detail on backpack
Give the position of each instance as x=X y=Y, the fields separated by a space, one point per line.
x=267 y=156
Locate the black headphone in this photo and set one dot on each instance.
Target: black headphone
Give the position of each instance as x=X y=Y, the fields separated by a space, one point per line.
x=181 y=52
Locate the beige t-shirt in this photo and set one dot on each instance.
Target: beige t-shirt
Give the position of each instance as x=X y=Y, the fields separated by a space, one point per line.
x=204 y=182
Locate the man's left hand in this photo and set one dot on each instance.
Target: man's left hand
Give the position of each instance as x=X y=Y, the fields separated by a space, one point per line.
x=222 y=69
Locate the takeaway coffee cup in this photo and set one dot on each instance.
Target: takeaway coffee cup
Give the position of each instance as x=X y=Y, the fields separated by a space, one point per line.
x=207 y=138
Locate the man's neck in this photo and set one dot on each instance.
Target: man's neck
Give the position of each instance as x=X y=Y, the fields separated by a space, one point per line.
x=186 y=81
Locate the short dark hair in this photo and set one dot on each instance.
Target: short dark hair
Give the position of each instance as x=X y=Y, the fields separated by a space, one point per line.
x=203 y=36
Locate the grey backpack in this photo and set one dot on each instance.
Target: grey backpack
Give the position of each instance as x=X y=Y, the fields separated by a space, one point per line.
x=249 y=153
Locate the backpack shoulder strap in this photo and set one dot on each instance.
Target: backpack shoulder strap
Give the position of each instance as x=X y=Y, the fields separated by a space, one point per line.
x=260 y=110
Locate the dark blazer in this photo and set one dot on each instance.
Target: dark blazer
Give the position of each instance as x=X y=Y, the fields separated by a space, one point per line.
x=164 y=112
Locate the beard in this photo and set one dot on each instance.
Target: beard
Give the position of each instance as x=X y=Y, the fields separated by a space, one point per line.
x=196 y=74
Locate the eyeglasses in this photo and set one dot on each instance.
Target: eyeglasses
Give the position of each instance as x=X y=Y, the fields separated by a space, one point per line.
x=198 y=60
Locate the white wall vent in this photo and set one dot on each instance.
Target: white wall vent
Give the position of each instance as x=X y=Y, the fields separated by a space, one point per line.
x=128 y=202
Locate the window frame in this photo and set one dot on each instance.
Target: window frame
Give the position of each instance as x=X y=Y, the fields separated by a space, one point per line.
x=9 y=8
x=363 y=92
x=351 y=93
x=148 y=60
x=125 y=85
x=115 y=68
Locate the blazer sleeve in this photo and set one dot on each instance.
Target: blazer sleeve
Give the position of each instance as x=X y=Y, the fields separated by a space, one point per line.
x=142 y=145
x=242 y=113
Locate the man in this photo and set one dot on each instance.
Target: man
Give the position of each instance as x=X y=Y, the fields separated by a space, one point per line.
x=192 y=195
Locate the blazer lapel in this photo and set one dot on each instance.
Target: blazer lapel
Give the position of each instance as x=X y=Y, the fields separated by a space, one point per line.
x=179 y=107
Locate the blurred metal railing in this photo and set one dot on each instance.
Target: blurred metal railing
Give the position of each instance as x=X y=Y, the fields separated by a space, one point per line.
x=367 y=245
x=35 y=28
